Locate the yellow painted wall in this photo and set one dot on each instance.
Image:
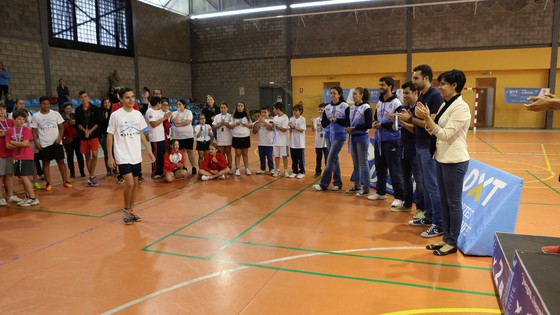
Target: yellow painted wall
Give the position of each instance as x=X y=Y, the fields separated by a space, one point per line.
x=511 y=68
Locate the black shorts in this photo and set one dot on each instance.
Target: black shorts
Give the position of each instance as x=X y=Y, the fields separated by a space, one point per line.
x=23 y=167
x=186 y=144
x=135 y=169
x=52 y=152
x=241 y=143
x=203 y=146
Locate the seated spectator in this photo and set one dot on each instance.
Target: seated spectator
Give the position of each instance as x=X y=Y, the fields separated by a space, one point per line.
x=214 y=164
x=174 y=163
x=10 y=102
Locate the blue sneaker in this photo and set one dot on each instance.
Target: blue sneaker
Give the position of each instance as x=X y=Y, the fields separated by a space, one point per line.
x=91 y=182
x=127 y=218
x=135 y=217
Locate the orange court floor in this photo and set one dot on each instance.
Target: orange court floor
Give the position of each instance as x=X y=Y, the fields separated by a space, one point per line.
x=256 y=244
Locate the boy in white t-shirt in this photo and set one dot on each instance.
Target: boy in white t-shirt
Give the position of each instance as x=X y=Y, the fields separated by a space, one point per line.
x=48 y=129
x=155 y=118
x=264 y=129
x=281 y=133
x=321 y=149
x=125 y=132
x=297 y=142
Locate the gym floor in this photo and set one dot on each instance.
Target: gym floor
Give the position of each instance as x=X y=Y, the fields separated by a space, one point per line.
x=256 y=244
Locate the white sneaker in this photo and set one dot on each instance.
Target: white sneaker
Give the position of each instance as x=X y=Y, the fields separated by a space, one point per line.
x=260 y=172
x=30 y=202
x=24 y=200
x=247 y=171
x=237 y=173
x=222 y=177
x=293 y=175
x=286 y=174
x=300 y=176
x=335 y=188
x=205 y=177
x=317 y=187
x=3 y=202
x=377 y=197
x=272 y=172
x=397 y=203
x=14 y=198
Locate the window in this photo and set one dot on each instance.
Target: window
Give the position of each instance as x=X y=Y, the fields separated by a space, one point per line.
x=94 y=25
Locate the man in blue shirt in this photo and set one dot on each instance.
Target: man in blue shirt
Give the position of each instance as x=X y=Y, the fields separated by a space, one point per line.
x=431 y=97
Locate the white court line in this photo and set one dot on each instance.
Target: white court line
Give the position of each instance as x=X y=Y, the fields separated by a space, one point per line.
x=223 y=272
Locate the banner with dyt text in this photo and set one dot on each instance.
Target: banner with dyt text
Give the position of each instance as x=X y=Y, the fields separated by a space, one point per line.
x=490 y=204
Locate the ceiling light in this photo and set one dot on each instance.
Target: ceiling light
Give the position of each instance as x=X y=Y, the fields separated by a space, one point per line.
x=324 y=3
x=236 y=12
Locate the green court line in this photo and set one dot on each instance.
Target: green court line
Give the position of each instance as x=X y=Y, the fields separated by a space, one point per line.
x=547 y=185
x=487 y=143
x=329 y=275
x=208 y=214
x=102 y=215
x=262 y=219
x=334 y=253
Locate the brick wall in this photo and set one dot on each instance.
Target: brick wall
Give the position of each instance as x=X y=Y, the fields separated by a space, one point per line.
x=162 y=36
x=83 y=70
x=173 y=77
x=24 y=60
x=229 y=54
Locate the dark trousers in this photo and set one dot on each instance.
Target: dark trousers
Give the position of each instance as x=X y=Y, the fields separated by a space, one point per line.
x=103 y=142
x=450 y=179
x=265 y=155
x=158 y=149
x=3 y=90
x=71 y=148
x=409 y=170
x=387 y=158
x=37 y=160
x=319 y=154
x=298 y=161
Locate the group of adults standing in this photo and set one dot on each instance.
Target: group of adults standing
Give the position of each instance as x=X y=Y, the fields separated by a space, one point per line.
x=426 y=137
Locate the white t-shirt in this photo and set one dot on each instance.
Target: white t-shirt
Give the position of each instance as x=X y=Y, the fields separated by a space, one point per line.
x=223 y=134
x=156 y=134
x=297 y=140
x=183 y=132
x=47 y=126
x=241 y=130
x=281 y=137
x=319 y=134
x=265 y=137
x=126 y=128
x=206 y=133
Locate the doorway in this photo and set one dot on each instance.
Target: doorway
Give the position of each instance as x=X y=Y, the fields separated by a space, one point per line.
x=486 y=100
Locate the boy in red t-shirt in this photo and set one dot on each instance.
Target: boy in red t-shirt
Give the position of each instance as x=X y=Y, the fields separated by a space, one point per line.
x=214 y=164
x=19 y=139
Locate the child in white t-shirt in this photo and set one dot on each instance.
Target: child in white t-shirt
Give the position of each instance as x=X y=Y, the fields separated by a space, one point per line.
x=264 y=129
x=280 y=143
x=221 y=125
x=204 y=137
x=321 y=149
x=297 y=142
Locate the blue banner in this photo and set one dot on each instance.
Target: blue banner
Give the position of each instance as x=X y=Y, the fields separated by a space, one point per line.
x=490 y=204
x=519 y=95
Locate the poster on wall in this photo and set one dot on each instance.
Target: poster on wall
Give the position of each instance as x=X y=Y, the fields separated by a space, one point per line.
x=520 y=95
